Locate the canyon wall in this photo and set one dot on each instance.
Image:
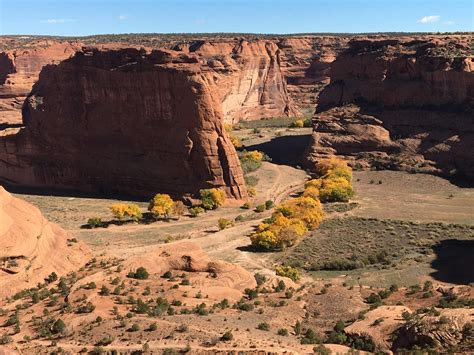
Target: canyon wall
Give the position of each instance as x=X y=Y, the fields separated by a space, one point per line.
x=400 y=104
x=256 y=78
x=19 y=70
x=124 y=122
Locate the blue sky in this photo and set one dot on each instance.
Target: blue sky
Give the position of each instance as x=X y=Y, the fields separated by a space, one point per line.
x=85 y=17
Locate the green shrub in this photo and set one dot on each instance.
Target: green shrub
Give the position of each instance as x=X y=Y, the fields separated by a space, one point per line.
x=288 y=271
x=283 y=332
x=269 y=204
x=263 y=326
x=195 y=211
x=260 y=208
x=227 y=336
x=141 y=274
x=245 y=206
x=223 y=223
x=94 y=222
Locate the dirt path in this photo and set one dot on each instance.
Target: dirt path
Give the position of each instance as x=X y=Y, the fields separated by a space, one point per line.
x=278 y=181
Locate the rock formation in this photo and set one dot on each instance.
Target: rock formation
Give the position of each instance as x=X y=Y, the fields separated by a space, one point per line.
x=400 y=104
x=249 y=77
x=31 y=247
x=256 y=78
x=127 y=122
x=19 y=70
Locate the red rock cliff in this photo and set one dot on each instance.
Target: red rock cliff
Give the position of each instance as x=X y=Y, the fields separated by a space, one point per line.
x=19 y=70
x=400 y=104
x=126 y=122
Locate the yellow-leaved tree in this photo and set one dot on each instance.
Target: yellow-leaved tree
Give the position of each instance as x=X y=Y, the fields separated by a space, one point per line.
x=126 y=210
x=161 y=206
x=211 y=199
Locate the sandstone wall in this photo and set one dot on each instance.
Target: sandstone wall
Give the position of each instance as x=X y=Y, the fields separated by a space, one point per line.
x=19 y=70
x=401 y=105
x=126 y=122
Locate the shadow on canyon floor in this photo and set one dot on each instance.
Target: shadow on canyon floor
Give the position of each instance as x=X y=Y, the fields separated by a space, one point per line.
x=45 y=191
x=454 y=261
x=285 y=150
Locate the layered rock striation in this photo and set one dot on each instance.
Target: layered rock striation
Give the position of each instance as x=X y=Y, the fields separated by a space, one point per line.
x=19 y=70
x=32 y=248
x=400 y=105
x=123 y=122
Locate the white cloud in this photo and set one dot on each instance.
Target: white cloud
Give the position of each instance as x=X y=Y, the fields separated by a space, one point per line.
x=58 y=20
x=429 y=19
x=122 y=17
x=200 y=21
x=449 y=23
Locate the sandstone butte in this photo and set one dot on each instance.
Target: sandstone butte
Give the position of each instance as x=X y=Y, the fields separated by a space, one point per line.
x=123 y=121
x=400 y=104
x=32 y=247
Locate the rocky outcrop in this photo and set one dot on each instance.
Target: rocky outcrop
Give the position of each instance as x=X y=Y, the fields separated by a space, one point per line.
x=126 y=122
x=400 y=105
x=249 y=77
x=306 y=64
x=19 y=70
x=31 y=247
x=256 y=78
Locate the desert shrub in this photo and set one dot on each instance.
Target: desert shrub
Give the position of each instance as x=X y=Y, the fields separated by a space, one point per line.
x=134 y=328
x=251 y=180
x=337 y=264
x=252 y=192
x=94 y=222
x=263 y=326
x=212 y=199
x=310 y=337
x=195 y=211
x=269 y=204
x=161 y=206
x=223 y=223
x=283 y=332
x=126 y=210
x=239 y=218
x=322 y=350
x=251 y=161
x=246 y=206
x=297 y=124
x=85 y=308
x=260 y=208
x=260 y=279
x=104 y=291
x=227 y=336
x=308 y=122
x=141 y=274
x=288 y=271
x=179 y=208
x=374 y=298
x=58 y=327
x=236 y=142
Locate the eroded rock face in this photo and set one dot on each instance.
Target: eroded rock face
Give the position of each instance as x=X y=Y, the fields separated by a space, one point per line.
x=400 y=105
x=31 y=247
x=19 y=70
x=249 y=77
x=126 y=122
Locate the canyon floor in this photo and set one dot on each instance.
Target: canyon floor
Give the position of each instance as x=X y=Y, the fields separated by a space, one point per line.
x=417 y=223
